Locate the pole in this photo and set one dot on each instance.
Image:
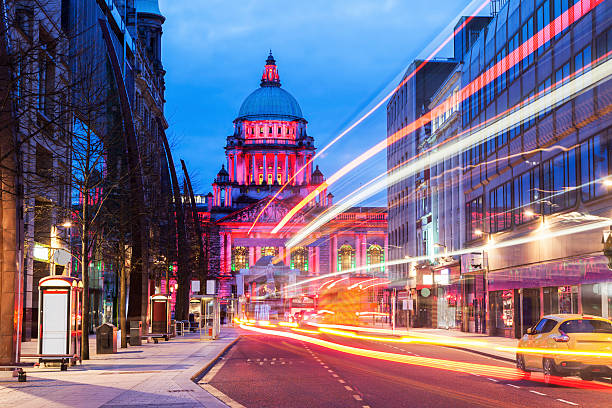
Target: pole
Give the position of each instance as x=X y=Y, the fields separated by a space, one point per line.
x=393 y=300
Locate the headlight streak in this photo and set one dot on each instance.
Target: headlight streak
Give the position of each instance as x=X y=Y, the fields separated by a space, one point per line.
x=527 y=48
x=508 y=373
x=368 y=114
x=548 y=101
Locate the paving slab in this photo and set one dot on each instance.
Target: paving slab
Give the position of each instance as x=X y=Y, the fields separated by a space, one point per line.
x=151 y=375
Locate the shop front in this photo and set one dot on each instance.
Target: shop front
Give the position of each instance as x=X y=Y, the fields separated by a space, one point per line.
x=447 y=285
x=519 y=297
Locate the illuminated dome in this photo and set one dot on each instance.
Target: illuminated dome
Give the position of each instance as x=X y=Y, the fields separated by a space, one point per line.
x=270 y=101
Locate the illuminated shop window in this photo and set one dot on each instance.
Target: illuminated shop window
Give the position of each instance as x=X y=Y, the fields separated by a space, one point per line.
x=299 y=259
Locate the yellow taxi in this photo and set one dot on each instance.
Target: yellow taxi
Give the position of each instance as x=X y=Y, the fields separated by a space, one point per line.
x=579 y=345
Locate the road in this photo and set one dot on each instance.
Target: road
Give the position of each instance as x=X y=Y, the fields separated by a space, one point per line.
x=269 y=371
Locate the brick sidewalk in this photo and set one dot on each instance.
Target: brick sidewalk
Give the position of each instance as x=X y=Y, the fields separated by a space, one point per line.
x=151 y=375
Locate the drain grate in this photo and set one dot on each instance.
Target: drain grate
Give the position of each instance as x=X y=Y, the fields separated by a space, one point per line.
x=180 y=390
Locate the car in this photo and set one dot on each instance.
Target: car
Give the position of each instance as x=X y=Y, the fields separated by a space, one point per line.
x=568 y=332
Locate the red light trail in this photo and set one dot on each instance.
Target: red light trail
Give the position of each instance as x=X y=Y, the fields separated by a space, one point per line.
x=506 y=373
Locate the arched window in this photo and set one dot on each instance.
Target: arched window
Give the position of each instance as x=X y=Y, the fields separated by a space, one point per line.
x=268 y=251
x=346 y=258
x=376 y=255
x=270 y=179
x=240 y=258
x=299 y=258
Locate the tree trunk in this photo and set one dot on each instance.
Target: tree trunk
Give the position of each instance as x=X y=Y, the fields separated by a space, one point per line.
x=122 y=300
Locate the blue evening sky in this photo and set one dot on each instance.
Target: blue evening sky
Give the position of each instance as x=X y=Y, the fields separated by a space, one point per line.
x=333 y=56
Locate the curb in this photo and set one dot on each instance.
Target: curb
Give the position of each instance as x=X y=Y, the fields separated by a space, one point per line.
x=202 y=372
x=482 y=353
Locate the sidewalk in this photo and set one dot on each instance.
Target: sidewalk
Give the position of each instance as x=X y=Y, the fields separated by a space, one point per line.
x=151 y=375
x=477 y=343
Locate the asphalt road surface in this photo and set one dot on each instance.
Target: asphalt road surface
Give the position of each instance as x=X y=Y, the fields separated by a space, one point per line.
x=268 y=371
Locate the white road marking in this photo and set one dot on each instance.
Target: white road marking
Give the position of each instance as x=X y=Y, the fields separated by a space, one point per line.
x=341 y=381
x=325 y=366
x=536 y=392
x=348 y=388
x=567 y=402
x=330 y=371
x=357 y=397
x=335 y=375
x=261 y=363
x=512 y=385
x=365 y=406
x=492 y=379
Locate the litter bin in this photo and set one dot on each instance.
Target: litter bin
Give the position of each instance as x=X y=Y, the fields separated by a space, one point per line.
x=135 y=333
x=106 y=339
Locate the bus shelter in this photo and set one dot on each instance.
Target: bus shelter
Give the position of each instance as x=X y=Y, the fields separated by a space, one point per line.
x=206 y=310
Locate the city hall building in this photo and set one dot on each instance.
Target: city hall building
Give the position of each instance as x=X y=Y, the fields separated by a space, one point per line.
x=271 y=147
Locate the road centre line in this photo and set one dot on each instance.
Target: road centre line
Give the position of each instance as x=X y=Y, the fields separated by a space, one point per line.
x=567 y=402
x=537 y=392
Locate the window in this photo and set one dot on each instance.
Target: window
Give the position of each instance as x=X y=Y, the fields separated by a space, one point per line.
x=240 y=258
x=514 y=65
x=543 y=19
x=375 y=255
x=528 y=123
x=583 y=59
x=562 y=74
x=299 y=258
x=514 y=132
x=559 y=182
x=44 y=162
x=594 y=166
x=346 y=259
x=501 y=78
x=527 y=35
x=268 y=251
x=560 y=7
x=280 y=131
x=586 y=326
x=474 y=221
x=544 y=88
x=500 y=207
x=526 y=195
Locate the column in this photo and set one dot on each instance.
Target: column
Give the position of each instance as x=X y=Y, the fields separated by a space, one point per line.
x=228 y=253
x=257 y=253
x=386 y=254
x=364 y=249
x=253 y=169
x=281 y=254
x=310 y=259
x=275 y=166
x=334 y=254
x=265 y=170
x=358 y=253
x=287 y=175
x=228 y=197
x=317 y=268
x=222 y=265
x=251 y=256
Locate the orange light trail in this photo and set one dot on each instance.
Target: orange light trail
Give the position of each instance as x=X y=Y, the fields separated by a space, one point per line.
x=508 y=373
x=324 y=185
x=533 y=105
x=527 y=48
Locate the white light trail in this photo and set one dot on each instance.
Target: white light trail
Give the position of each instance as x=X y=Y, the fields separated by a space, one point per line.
x=549 y=101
